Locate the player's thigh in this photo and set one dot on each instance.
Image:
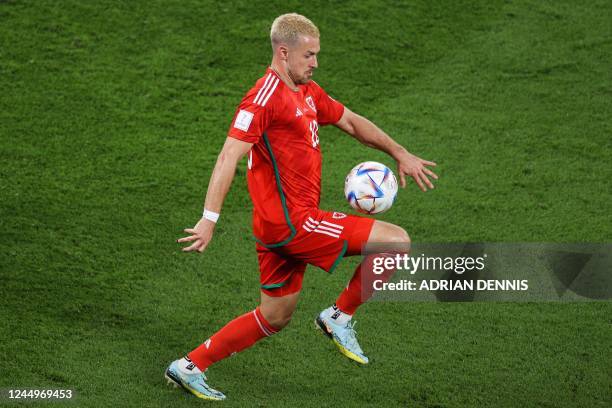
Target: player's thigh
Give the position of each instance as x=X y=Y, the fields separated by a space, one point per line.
x=281 y=279
x=279 y=274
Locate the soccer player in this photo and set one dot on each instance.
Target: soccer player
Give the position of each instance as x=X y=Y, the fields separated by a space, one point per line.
x=277 y=126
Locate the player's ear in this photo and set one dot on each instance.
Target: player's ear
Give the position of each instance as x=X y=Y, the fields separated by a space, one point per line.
x=283 y=52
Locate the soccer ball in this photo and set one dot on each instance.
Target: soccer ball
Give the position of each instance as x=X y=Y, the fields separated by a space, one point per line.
x=370 y=188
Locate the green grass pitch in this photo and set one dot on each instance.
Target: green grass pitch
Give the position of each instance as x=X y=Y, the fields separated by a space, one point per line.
x=111 y=117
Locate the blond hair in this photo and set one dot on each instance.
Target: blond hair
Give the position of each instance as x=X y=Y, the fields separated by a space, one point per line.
x=288 y=27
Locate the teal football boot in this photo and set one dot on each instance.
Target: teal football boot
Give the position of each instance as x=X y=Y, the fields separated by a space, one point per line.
x=343 y=336
x=194 y=383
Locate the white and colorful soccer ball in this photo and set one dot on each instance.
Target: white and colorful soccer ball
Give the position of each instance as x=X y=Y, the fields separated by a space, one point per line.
x=370 y=187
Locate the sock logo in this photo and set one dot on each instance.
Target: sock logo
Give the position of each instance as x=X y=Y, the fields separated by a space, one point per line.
x=337 y=312
x=190 y=366
x=207 y=344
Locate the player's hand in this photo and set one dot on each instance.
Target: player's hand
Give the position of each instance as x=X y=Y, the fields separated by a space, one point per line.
x=200 y=236
x=415 y=167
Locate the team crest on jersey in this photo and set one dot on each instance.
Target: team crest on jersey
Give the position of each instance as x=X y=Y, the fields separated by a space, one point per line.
x=338 y=215
x=311 y=103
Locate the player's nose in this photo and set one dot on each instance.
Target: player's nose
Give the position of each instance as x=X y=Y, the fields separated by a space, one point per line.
x=315 y=63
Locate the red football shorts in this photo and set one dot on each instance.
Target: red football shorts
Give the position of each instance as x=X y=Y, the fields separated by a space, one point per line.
x=322 y=239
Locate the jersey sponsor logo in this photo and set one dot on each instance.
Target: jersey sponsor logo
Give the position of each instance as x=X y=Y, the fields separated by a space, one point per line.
x=311 y=103
x=323 y=227
x=266 y=91
x=298 y=113
x=338 y=215
x=314 y=133
x=243 y=120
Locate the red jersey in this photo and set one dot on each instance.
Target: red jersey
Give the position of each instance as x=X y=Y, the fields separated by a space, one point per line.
x=284 y=165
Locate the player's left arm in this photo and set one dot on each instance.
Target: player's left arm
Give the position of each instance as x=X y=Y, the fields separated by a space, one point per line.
x=371 y=135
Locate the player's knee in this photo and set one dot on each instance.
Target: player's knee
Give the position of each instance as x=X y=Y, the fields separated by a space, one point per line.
x=400 y=236
x=388 y=233
x=279 y=317
x=398 y=240
x=280 y=321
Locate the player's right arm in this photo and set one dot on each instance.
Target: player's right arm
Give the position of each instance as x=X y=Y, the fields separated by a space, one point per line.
x=252 y=118
x=220 y=182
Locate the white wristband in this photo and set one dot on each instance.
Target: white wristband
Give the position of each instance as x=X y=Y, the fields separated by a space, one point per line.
x=211 y=216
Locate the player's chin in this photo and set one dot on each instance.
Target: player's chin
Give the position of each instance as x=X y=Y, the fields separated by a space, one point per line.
x=306 y=78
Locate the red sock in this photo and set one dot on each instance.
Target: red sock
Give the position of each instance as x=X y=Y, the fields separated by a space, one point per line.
x=360 y=287
x=240 y=333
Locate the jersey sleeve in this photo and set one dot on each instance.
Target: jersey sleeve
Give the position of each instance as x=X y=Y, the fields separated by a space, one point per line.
x=329 y=110
x=250 y=120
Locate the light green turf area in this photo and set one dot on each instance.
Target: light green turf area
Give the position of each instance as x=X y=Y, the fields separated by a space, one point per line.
x=112 y=114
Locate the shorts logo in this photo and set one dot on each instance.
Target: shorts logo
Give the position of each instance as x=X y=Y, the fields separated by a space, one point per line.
x=311 y=103
x=243 y=120
x=323 y=227
x=338 y=215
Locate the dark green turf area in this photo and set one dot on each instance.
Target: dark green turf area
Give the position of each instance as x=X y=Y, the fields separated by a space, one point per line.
x=111 y=117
